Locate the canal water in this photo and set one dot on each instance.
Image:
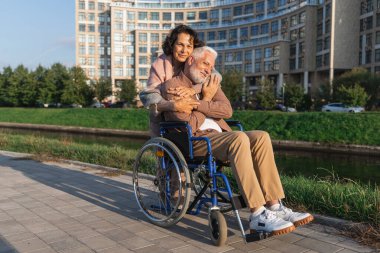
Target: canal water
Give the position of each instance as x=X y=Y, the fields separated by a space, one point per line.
x=359 y=168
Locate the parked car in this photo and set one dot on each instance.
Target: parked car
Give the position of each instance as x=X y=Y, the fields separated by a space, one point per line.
x=118 y=104
x=97 y=105
x=284 y=108
x=340 y=107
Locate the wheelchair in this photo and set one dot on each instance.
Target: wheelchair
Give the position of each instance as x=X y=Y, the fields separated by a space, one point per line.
x=166 y=171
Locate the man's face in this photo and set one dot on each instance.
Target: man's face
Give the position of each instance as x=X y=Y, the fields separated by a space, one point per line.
x=200 y=69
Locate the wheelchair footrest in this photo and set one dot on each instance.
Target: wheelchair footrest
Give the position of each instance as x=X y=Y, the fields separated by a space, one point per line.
x=256 y=236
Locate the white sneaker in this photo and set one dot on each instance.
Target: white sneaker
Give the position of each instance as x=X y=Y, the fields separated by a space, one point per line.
x=295 y=217
x=268 y=222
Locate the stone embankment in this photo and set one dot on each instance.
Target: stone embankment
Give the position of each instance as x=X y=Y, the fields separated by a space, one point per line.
x=282 y=144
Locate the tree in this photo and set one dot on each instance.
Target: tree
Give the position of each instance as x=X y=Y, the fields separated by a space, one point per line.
x=370 y=82
x=355 y=95
x=22 y=90
x=127 y=91
x=46 y=89
x=102 y=88
x=233 y=85
x=265 y=95
x=76 y=90
x=58 y=76
x=293 y=95
x=4 y=86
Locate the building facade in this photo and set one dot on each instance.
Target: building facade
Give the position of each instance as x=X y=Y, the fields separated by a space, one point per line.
x=299 y=41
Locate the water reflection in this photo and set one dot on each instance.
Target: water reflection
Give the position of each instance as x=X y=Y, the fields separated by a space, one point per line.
x=358 y=168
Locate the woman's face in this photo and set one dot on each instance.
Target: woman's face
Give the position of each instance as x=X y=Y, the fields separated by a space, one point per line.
x=183 y=47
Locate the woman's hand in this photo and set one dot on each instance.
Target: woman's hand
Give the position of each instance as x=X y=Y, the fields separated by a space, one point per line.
x=210 y=87
x=181 y=92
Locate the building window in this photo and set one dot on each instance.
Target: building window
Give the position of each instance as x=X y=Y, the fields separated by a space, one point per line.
x=82 y=50
x=81 y=5
x=264 y=28
x=143 y=71
x=203 y=15
x=178 y=16
x=226 y=13
x=143 y=37
x=118 y=37
x=238 y=10
x=155 y=16
x=319 y=45
x=319 y=61
x=154 y=37
x=82 y=27
x=232 y=35
x=143 y=15
x=274 y=26
x=267 y=52
x=257 y=67
x=191 y=16
x=214 y=14
x=211 y=35
x=244 y=33
x=248 y=56
x=221 y=35
x=143 y=49
x=91 y=50
x=293 y=35
x=91 y=28
x=167 y=16
x=293 y=20
x=254 y=30
x=302 y=17
x=248 y=9
x=143 y=60
x=258 y=53
x=326 y=59
x=260 y=7
x=268 y=65
x=271 y=4
x=91 y=6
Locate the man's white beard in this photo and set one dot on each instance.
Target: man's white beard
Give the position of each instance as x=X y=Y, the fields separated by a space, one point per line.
x=195 y=76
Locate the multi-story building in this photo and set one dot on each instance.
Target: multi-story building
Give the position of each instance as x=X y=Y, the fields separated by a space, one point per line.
x=302 y=41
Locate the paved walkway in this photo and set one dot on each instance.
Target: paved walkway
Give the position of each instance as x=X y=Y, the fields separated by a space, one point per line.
x=55 y=207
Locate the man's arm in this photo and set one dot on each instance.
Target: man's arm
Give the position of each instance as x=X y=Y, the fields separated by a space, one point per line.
x=219 y=107
x=194 y=118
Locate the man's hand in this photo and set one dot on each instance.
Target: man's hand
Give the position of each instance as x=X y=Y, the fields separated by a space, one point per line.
x=185 y=105
x=210 y=87
x=181 y=92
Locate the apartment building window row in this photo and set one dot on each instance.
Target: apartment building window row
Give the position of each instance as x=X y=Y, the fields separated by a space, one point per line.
x=233 y=56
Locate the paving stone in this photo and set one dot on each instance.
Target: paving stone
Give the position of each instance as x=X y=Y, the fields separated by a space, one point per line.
x=318 y=246
x=150 y=249
x=136 y=242
x=247 y=246
x=116 y=249
x=81 y=249
x=118 y=234
x=10 y=227
x=67 y=243
x=52 y=236
x=152 y=234
x=351 y=244
x=290 y=238
x=188 y=249
x=282 y=246
x=98 y=242
x=20 y=237
x=29 y=245
x=330 y=238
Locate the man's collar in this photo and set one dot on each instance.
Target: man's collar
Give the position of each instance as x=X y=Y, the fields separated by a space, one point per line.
x=185 y=79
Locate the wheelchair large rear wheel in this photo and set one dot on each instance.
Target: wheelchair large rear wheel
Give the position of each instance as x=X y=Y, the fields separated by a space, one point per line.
x=161 y=182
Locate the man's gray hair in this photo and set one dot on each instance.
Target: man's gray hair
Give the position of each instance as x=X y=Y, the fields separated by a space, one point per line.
x=199 y=51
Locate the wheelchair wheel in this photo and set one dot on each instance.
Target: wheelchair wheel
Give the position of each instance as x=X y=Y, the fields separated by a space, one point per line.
x=218 y=228
x=161 y=182
x=199 y=180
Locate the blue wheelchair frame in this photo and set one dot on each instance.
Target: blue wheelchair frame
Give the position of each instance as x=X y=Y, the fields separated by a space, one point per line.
x=211 y=166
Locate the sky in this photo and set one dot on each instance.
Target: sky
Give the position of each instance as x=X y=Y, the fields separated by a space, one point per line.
x=37 y=32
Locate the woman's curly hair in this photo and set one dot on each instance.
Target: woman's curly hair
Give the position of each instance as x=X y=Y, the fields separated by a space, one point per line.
x=168 y=44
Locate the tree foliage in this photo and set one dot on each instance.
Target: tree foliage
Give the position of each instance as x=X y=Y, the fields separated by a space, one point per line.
x=127 y=91
x=58 y=85
x=233 y=85
x=355 y=95
x=293 y=95
x=361 y=76
x=102 y=88
x=265 y=95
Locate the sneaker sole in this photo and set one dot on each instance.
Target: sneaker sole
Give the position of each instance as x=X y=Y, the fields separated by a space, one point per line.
x=304 y=221
x=277 y=232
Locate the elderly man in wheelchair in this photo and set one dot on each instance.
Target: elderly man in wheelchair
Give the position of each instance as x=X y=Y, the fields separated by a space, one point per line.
x=193 y=148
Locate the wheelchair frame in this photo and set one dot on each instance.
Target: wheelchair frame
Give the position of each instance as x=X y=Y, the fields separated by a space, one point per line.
x=209 y=192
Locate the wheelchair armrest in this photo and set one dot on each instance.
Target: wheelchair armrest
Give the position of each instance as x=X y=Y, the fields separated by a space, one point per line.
x=235 y=123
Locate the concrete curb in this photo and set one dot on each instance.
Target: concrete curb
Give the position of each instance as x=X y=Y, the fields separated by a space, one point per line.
x=283 y=144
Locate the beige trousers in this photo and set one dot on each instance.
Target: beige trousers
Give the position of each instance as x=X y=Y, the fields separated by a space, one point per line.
x=252 y=161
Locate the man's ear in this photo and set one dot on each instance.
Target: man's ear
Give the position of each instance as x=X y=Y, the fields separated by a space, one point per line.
x=190 y=60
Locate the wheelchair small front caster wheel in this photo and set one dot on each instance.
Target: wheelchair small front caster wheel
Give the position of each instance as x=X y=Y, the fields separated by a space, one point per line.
x=218 y=227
